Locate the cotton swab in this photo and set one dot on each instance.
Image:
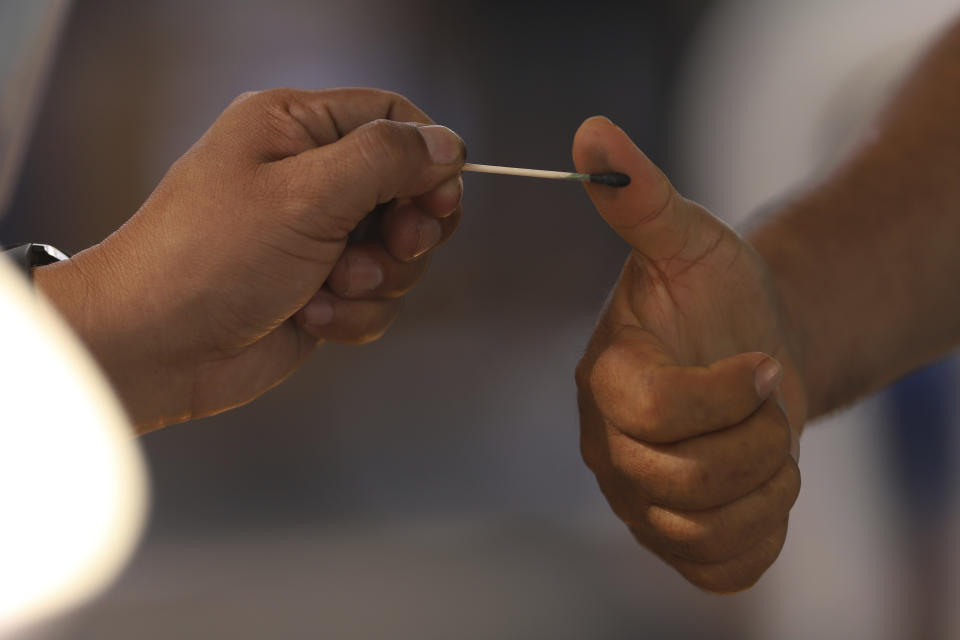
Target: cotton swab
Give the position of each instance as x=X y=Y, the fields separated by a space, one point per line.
x=609 y=179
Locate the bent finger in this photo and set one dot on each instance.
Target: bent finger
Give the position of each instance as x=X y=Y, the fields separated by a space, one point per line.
x=641 y=393
x=408 y=232
x=710 y=470
x=330 y=317
x=368 y=271
x=443 y=200
x=721 y=534
x=736 y=574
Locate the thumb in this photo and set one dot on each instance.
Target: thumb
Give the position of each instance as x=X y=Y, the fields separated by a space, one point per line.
x=374 y=164
x=649 y=214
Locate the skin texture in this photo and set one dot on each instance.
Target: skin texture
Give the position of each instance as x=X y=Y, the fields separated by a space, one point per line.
x=298 y=217
x=684 y=420
x=846 y=288
x=867 y=261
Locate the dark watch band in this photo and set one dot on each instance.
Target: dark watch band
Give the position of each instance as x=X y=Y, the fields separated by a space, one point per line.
x=32 y=254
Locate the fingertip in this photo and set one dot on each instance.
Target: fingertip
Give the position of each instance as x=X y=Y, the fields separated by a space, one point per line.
x=443 y=200
x=352 y=322
x=317 y=314
x=402 y=230
x=443 y=144
x=592 y=123
x=767 y=374
x=600 y=146
x=590 y=144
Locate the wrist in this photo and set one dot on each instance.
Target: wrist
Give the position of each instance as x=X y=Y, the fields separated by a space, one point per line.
x=93 y=292
x=778 y=248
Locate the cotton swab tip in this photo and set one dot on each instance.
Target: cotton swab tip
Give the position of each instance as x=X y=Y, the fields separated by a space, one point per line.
x=610 y=179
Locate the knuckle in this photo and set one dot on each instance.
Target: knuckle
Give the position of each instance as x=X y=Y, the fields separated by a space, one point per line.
x=583 y=373
x=278 y=110
x=399 y=102
x=380 y=143
x=637 y=409
x=396 y=99
x=276 y=97
x=246 y=95
x=608 y=370
x=380 y=136
x=262 y=99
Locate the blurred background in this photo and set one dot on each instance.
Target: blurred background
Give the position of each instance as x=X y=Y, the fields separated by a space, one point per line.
x=429 y=485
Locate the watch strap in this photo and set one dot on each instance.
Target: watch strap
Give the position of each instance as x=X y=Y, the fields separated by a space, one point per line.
x=33 y=254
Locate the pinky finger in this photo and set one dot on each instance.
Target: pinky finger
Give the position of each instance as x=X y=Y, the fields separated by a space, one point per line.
x=739 y=573
x=330 y=317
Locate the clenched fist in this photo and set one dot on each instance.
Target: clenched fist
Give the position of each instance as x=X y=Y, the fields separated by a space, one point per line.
x=689 y=392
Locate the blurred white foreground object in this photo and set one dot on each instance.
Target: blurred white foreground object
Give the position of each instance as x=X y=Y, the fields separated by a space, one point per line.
x=72 y=481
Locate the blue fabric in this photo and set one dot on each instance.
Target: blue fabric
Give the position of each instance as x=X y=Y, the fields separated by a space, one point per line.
x=922 y=431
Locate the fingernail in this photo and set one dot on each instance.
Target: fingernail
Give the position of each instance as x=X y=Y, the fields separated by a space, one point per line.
x=429 y=233
x=318 y=312
x=450 y=192
x=766 y=377
x=364 y=274
x=444 y=146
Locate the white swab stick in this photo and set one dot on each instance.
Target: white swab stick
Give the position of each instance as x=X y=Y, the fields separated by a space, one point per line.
x=609 y=179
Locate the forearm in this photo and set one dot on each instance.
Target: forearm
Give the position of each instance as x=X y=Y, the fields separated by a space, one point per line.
x=867 y=262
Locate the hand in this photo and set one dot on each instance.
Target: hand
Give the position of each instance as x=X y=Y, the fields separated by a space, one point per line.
x=689 y=392
x=249 y=251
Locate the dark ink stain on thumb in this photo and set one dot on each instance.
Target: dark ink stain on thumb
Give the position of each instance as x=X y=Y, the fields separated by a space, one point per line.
x=610 y=179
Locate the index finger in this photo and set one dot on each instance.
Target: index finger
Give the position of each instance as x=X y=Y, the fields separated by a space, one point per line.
x=640 y=392
x=349 y=108
x=275 y=124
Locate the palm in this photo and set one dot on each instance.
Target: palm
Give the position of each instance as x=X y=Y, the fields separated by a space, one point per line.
x=706 y=301
x=233 y=380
